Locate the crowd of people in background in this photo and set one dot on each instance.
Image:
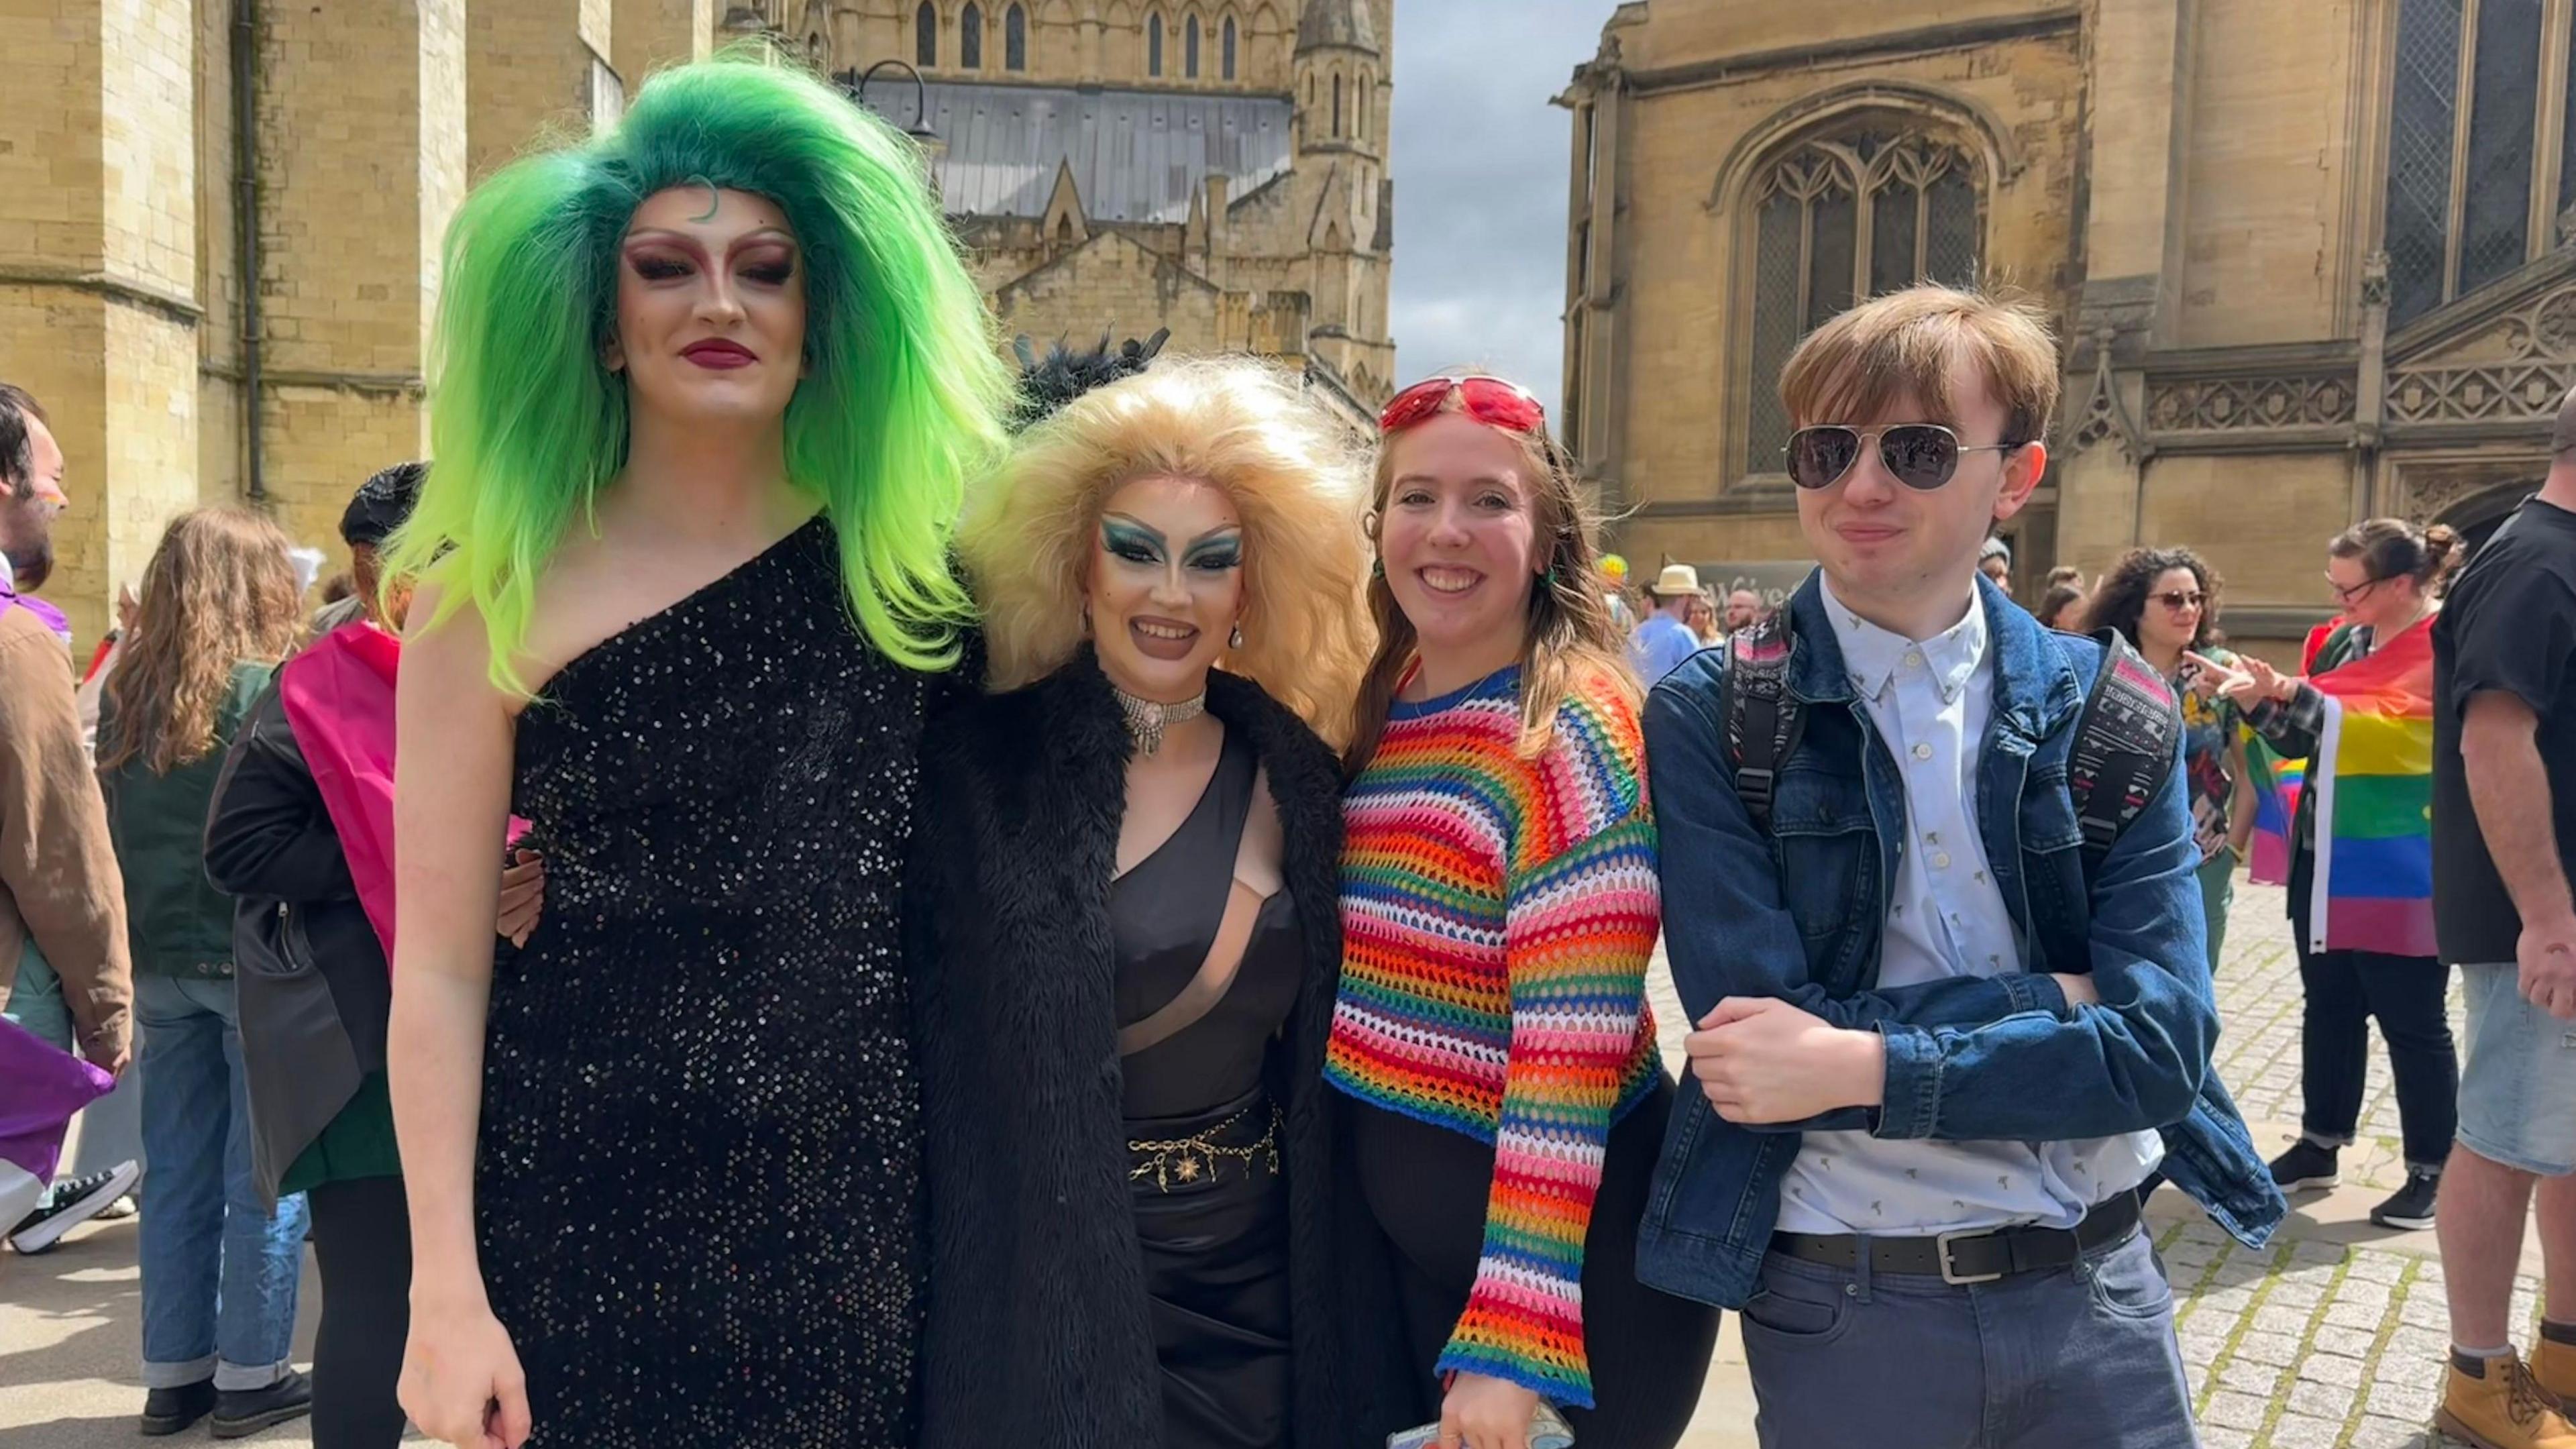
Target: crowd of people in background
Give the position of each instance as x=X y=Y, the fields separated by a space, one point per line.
x=1105 y=911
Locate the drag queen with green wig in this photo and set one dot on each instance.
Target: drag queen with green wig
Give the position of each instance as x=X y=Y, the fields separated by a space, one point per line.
x=705 y=392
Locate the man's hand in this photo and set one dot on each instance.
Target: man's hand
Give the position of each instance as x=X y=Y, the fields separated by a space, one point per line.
x=109 y=1051
x=2547 y=954
x=1761 y=1060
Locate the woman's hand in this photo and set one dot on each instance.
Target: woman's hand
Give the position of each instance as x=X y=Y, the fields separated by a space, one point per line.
x=461 y=1382
x=1486 y=1413
x=523 y=895
x=2248 y=686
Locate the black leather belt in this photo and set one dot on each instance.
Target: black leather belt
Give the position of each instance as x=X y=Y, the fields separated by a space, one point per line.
x=1972 y=1257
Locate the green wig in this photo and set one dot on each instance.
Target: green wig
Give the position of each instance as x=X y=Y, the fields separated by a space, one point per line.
x=901 y=399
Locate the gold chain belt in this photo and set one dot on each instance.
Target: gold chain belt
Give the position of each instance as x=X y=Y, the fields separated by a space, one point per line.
x=1189 y=1159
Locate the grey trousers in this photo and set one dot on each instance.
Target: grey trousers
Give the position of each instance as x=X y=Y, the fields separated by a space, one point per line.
x=2080 y=1356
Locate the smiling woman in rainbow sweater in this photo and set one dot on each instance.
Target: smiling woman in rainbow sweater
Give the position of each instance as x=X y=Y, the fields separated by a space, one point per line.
x=1499 y=906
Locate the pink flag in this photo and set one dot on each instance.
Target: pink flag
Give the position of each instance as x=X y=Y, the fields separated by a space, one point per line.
x=339 y=697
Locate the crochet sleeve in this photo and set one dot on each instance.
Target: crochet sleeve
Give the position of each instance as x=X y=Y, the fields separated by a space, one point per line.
x=1580 y=926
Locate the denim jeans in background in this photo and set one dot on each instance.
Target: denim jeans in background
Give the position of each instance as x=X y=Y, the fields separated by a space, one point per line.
x=107 y=1131
x=219 y=1271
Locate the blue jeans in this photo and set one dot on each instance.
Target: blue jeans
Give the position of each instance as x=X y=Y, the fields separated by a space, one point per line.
x=110 y=1129
x=219 y=1271
x=2082 y=1355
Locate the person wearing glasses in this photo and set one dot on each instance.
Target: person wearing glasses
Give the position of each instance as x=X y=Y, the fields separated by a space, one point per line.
x=1938 y=1044
x=2164 y=601
x=1498 y=909
x=2386 y=575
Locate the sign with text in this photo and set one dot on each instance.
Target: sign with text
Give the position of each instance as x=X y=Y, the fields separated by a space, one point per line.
x=1774 y=579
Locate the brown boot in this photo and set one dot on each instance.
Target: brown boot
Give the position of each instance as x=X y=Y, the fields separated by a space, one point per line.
x=2500 y=1408
x=2553 y=1370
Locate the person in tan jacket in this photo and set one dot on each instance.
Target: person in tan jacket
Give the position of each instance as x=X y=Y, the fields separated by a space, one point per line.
x=59 y=885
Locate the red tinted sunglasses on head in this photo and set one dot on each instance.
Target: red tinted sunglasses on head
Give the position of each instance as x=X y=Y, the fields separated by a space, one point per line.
x=1489 y=400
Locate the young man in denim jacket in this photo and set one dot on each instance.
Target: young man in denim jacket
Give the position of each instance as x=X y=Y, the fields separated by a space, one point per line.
x=1938 y=1051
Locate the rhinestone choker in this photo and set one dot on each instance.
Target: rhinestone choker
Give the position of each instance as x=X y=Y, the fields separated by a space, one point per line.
x=1147 y=720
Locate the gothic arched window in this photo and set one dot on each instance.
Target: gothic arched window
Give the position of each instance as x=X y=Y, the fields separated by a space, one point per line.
x=925 y=35
x=1190 y=49
x=2472 y=195
x=970 y=36
x=1337 y=105
x=1015 y=38
x=1839 y=218
x=1154 y=44
x=1229 y=47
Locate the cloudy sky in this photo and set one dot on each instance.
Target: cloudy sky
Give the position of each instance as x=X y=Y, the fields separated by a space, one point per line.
x=1480 y=174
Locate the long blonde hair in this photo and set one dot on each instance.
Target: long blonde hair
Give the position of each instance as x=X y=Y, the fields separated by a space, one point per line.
x=219 y=591
x=1244 y=427
x=1572 y=638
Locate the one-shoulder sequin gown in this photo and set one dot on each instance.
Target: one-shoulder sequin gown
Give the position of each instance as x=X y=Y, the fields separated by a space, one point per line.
x=697 y=1181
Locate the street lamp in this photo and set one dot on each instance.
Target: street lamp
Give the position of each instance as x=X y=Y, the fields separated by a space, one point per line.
x=856 y=83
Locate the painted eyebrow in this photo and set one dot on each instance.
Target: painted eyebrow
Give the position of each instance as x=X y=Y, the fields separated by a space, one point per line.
x=664 y=236
x=1124 y=523
x=1223 y=533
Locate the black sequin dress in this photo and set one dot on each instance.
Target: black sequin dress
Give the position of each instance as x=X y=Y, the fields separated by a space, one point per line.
x=697 y=1186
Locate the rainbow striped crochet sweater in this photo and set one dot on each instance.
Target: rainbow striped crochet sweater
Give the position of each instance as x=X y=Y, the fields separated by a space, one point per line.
x=1497 y=915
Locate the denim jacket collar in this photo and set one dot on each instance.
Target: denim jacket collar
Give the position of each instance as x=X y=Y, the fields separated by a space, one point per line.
x=2036 y=693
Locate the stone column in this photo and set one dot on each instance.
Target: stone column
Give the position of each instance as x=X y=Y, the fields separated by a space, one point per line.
x=647 y=35
x=2133 y=251
x=98 y=306
x=535 y=70
x=358 y=178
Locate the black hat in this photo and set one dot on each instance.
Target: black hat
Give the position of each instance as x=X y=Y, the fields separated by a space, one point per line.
x=382 y=504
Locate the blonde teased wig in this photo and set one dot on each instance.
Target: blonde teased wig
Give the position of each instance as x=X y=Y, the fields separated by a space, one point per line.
x=1031 y=529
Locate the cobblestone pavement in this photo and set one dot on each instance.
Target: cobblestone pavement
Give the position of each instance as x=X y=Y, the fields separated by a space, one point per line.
x=2333 y=1336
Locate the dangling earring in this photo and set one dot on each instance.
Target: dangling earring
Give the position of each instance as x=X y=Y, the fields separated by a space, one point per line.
x=1377 y=568
x=1235 y=639
x=1086 y=618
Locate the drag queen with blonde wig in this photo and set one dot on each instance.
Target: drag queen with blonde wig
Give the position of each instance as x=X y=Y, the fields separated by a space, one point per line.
x=1123 y=934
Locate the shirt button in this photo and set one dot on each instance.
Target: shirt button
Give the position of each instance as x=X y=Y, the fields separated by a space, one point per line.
x=1913 y=658
x=1922 y=752
x=1941 y=860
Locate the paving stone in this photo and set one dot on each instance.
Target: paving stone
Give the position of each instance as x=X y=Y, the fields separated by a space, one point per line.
x=2272 y=1318
x=2299 y=1431
x=2231 y=1410
x=2383 y=1433
x=2348 y=1342
x=2325 y=1401
x=2260 y=1380
x=2279 y=1350
x=2343 y=1373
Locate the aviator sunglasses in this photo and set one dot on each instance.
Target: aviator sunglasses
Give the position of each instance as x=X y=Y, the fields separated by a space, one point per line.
x=1922 y=456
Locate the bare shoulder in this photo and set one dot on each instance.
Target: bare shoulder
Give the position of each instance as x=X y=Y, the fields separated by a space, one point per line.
x=446 y=662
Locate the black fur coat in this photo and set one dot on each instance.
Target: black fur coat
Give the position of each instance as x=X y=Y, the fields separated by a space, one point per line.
x=1036 y=1330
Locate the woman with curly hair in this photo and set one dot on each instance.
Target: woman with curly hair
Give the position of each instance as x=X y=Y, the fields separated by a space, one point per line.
x=219 y=608
x=705 y=393
x=1122 y=932
x=2164 y=601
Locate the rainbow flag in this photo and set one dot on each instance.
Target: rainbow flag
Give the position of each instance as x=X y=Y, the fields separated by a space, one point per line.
x=2373 y=774
x=2277 y=783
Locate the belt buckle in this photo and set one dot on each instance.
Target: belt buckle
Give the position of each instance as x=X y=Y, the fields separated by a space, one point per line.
x=1941 y=1251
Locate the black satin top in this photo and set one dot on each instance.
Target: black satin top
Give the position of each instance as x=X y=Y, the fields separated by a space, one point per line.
x=1165 y=914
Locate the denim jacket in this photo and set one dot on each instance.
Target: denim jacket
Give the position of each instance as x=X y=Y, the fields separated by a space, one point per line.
x=1797 y=915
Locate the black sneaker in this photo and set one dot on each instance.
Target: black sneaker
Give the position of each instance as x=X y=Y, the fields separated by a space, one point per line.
x=168 y=1411
x=2305 y=1166
x=240 y=1412
x=2412 y=1206
x=73 y=1202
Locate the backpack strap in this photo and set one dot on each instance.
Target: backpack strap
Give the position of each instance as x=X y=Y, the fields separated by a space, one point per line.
x=1763 y=719
x=2124 y=746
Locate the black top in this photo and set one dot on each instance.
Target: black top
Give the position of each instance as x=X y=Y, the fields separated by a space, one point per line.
x=697 y=1184
x=2509 y=625
x=1165 y=913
